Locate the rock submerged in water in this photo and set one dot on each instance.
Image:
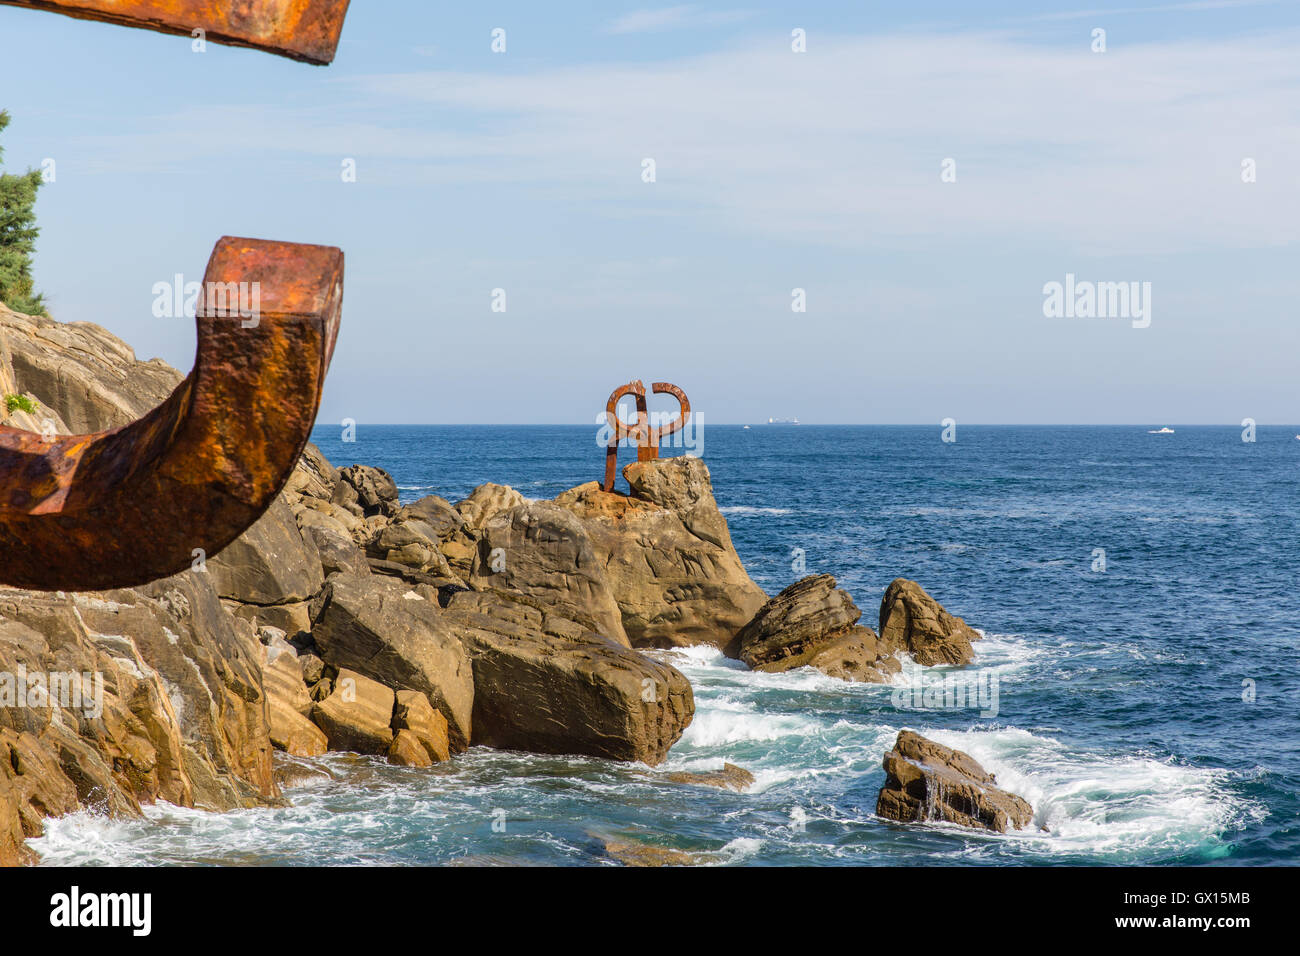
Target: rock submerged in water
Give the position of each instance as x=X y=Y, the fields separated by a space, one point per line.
x=926 y=781
x=730 y=777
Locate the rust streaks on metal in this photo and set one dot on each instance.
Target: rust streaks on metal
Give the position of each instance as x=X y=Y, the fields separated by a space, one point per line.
x=123 y=507
x=306 y=30
x=641 y=434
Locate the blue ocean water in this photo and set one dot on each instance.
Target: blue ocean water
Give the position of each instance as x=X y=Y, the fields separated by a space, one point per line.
x=1148 y=711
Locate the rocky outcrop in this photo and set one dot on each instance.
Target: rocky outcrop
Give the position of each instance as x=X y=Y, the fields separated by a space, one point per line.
x=912 y=620
x=366 y=491
x=814 y=623
x=542 y=550
x=394 y=633
x=926 y=781
x=270 y=563
x=545 y=683
x=167 y=702
x=84 y=374
x=180 y=713
x=358 y=715
x=667 y=555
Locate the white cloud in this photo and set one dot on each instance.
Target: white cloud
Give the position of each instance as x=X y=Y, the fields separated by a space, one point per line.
x=672 y=18
x=1134 y=150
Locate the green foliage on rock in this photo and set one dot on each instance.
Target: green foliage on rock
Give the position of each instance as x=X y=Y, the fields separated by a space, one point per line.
x=19 y=403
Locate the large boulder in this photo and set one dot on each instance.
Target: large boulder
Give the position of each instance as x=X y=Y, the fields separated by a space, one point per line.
x=542 y=550
x=547 y=684
x=333 y=541
x=667 y=555
x=358 y=715
x=915 y=622
x=270 y=563
x=926 y=781
x=814 y=623
x=393 y=633
x=484 y=503
x=366 y=490
x=288 y=704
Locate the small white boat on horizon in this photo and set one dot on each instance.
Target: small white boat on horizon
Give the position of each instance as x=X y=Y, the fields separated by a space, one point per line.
x=1163 y=431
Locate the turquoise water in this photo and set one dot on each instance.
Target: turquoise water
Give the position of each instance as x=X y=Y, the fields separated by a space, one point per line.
x=1120 y=709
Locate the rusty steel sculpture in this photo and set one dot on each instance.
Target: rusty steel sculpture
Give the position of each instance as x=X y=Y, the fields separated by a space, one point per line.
x=641 y=434
x=306 y=30
x=123 y=507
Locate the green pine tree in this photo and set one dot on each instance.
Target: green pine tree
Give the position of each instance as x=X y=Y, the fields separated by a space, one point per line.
x=18 y=233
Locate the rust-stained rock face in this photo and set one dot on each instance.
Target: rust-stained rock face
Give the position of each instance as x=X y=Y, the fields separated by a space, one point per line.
x=926 y=781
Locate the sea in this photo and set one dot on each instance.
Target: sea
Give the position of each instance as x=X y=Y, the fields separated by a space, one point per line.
x=1137 y=597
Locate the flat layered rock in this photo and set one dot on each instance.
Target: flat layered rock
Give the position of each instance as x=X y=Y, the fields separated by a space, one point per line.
x=358 y=715
x=926 y=781
x=730 y=777
x=395 y=633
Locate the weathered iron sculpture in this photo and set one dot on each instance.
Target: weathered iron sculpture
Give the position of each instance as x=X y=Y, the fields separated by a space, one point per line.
x=641 y=434
x=306 y=30
x=123 y=507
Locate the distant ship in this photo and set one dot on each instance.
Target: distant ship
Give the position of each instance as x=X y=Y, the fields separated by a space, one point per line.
x=747 y=428
x=1161 y=431
x=783 y=421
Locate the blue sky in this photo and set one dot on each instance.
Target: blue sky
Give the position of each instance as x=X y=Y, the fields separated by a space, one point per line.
x=774 y=170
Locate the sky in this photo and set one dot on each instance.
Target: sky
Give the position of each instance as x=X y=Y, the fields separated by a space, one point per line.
x=921 y=171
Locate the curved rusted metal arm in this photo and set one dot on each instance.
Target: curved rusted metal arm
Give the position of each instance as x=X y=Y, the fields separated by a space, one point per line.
x=123 y=507
x=643 y=436
x=306 y=30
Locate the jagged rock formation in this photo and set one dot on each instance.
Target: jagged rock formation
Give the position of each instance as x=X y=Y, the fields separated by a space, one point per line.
x=927 y=781
x=912 y=620
x=814 y=623
x=667 y=555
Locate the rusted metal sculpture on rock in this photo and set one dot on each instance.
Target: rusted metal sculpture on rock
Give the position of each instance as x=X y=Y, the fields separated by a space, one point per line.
x=306 y=30
x=124 y=507
x=641 y=434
